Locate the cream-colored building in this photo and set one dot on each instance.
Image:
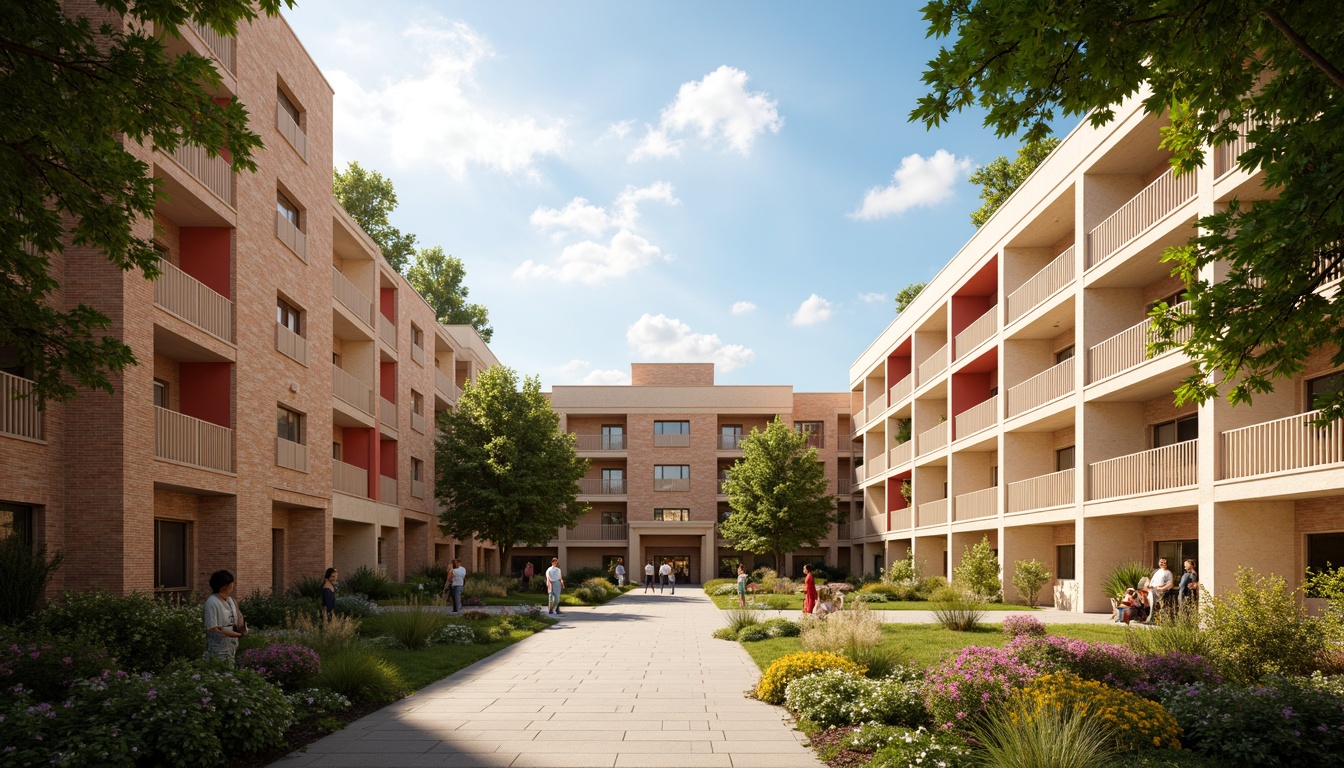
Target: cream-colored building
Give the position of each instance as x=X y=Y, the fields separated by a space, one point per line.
x=1016 y=397
x=658 y=449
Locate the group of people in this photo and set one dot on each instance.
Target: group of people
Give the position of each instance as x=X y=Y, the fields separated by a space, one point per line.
x=818 y=603
x=666 y=577
x=1158 y=595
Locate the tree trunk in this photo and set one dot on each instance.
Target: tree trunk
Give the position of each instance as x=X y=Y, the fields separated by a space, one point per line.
x=504 y=551
x=779 y=564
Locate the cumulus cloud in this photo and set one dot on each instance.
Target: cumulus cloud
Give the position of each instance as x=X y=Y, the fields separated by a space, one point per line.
x=719 y=109
x=660 y=337
x=582 y=372
x=620 y=129
x=743 y=307
x=608 y=378
x=813 y=310
x=595 y=260
x=433 y=115
x=919 y=182
x=872 y=298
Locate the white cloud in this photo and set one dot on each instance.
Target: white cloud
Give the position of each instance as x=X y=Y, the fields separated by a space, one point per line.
x=619 y=129
x=719 y=109
x=578 y=215
x=872 y=298
x=433 y=115
x=919 y=182
x=813 y=310
x=592 y=261
x=743 y=307
x=661 y=337
x=582 y=372
x=608 y=378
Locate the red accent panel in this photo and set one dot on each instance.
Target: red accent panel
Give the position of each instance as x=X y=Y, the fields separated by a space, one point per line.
x=388 y=459
x=895 y=501
x=356 y=450
x=387 y=303
x=387 y=381
x=206 y=390
x=207 y=256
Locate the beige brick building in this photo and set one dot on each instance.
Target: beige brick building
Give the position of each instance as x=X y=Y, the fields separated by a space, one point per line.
x=280 y=419
x=658 y=449
x=1016 y=396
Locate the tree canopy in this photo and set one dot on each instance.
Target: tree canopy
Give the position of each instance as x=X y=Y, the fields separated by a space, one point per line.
x=438 y=276
x=75 y=92
x=906 y=296
x=369 y=197
x=1268 y=70
x=777 y=492
x=1000 y=177
x=506 y=473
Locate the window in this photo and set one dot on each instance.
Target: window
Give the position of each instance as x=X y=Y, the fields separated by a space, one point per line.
x=287 y=208
x=815 y=431
x=16 y=520
x=1170 y=300
x=417 y=403
x=725 y=512
x=172 y=546
x=672 y=515
x=1324 y=550
x=417 y=470
x=288 y=316
x=1324 y=388
x=161 y=393
x=613 y=480
x=336 y=359
x=1176 y=431
x=1064 y=459
x=1064 y=354
x=994 y=476
x=730 y=437
x=613 y=518
x=336 y=451
x=287 y=106
x=613 y=437
x=417 y=337
x=1064 y=561
x=289 y=425
x=672 y=472
x=1175 y=553
x=671 y=427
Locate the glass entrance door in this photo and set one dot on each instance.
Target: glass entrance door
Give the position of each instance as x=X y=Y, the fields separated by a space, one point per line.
x=681 y=566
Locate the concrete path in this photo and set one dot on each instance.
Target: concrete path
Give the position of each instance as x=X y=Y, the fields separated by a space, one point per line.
x=638 y=682
x=1046 y=615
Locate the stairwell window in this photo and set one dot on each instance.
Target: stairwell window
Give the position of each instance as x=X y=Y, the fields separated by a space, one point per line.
x=678 y=515
x=289 y=425
x=287 y=208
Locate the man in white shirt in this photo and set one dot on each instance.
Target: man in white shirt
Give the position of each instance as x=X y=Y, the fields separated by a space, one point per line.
x=664 y=572
x=620 y=572
x=457 y=579
x=648 y=577
x=555 y=584
x=1159 y=584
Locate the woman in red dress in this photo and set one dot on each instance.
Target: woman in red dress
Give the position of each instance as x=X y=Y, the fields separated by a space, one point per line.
x=809 y=590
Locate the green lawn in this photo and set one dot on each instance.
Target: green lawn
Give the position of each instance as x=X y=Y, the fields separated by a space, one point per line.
x=567 y=598
x=729 y=602
x=925 y=644
x=420 y=668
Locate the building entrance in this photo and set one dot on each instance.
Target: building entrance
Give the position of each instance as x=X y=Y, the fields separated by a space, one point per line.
x=681 y=566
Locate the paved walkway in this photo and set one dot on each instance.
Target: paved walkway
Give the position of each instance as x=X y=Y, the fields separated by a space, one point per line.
x=637 y=682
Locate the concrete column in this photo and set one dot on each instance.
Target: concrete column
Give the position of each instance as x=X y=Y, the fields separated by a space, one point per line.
x=1254 y=534
x=708 y=557
x=1103 y=543
x=562 y=552
x=788 y=565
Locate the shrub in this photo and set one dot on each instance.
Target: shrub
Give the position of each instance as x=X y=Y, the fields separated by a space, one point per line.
x=265 y=610
x=902 y=570
x=1050 y=737
x=725 y=633
x=1028 y=578
x=596 y=590
x=579 y=575
x=738 y=619
x=836 y=697
x=724 y=590
x=870 y=737
x=1017 y=626
x=926 y=586
x=47 y=667
x=308 y=587
x=412 y=627
x=956 y=611
x=870 y=597
x=978 y=572
x=483 y=585
x=355 y=606
x=852 y=634
x=338 y=633
x=1124 y=576
x=1282 y=723
x=360 y=676
x=782 y=627
x=453 y=634
x=1173 y=669
x=943 y=749
x=368 y=582
x=314 y=702
x=1259 y=629
x=962 y=688
x=713 y=586
x=1179 y=633
x=1104 y=662
x=886 y=591
x=141 y=633
x=1132 y=722
x=753 y=634
x=774 y=682
x=25 y=572
x=287 y=665
x=431 y=573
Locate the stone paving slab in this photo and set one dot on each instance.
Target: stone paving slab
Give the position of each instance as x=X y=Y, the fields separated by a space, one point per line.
x=636 y=683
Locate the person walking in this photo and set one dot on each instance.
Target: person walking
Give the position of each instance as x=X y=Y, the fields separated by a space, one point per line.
x=528 y=573
x=224 y=623
x=664 y=571
x=809 y=590
x=457 y=579
x=1159 y=584
x=329 y=594
x=555 y=584
x=648 y=577
x=741 y=586
x=620 y=572
x=1188 y=588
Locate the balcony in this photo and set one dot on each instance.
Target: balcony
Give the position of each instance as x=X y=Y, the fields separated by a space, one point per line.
x=978 y=418
x=417 y=489
x=350 y=389
x=347 y=478
x=600 y=442
x=933 y=365
x=597 y=486
x=220 y=45
x=194 y=302
x=976 y=505
x=291 y=455
x=597 y=532
x=875 y=525
x=980 y=330
x=901 y=454
x=875 y=467
x=291 y=344
x=214 y=173
x=444 y=383
x=901 y=519
x=291 y=131
x=418 y=354
x=1282 y=445
x=871 y=411
x=1127 y=349
x=844 y=487
x=1041 y=286
x=933 y=439
x=293 y=237
x=1051 y=384
x=1159 y=469
x=387 y=331
x=931 y=513
x=1139 y=215
x=1043 y=492
x=387 y=489
x=902 y=389
x=677 y=484
x=418 y=422
x=351 y=297
x=1225 y=155
x=186 y=440
x=731 y=442
x=19 y=414
x=671 y=441
x=387 y=413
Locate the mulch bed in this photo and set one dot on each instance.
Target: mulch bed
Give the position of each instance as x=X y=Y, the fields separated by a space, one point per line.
x=301 y=734
x=827 y=743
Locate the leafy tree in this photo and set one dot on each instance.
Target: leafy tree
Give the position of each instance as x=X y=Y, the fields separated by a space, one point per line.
x=1001 y=177
x=979 y=570
x=906 y=296
x=506 y=473
x=437 y=276
x=1028 y=578
x=1263 y=68
x=78 y=94
x=369 y=198
x=777 y=492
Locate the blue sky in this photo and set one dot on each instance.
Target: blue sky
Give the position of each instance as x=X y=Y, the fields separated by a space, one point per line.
x=659 y=181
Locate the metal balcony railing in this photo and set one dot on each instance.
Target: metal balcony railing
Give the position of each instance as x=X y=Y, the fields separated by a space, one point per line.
x=980 y=330
x=193 y=301
x=387 y=413
x=976 y=505
x=347 y=478
x=214 y=173
x=1041 y=286
x=902 y=389
x=188 y=440
x=1281 y=445
x=221 y=46
x=1043 y=492
x=596 y=486
x=933 y=439
x=978 y=418
x=387 y=489
x=290 y=234
x=933 y=365
x=1051 y=384
x=1158 y=469
x=291 y=344
x=19 y=414
x=931 y=513
x=351 y=297
x=352 y=390
x=597 y=532
x=291 y=131
x=1140 y=214
x=291 y=455
x=1127 y=349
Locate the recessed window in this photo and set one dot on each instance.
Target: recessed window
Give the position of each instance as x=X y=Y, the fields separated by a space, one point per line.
x=680 y=515
x=671 y=427
x=613 y=518
x=417 y=337
x=289 y=425
x=16 y=520
x=172 y=549
x=613 y=437
x=1064 y=459
x=287 y=106
x=287 y=208
x=1325 y=551
x=417 y=403
x=815 y=431
x=994 y=476
x=417 y=469
x=1064 y=561
x=1176 y=431
x=671 y=472
x=1170 y=300
x=336 y=451
x=1323 y=389
x=288 y=316
x=613 y=480
x=1064 y=354
x=161 y=393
